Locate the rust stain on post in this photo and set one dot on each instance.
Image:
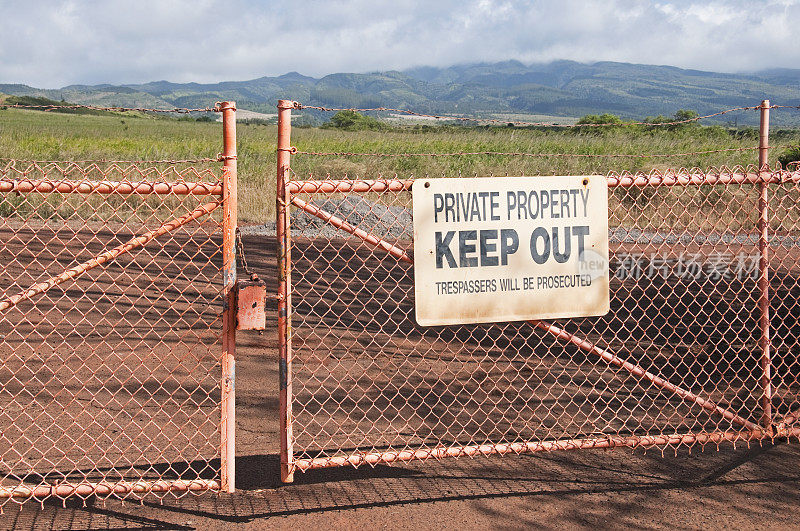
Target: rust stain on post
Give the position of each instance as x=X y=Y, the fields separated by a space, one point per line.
x=284 y=301
x=229 y=222
x=763 y=276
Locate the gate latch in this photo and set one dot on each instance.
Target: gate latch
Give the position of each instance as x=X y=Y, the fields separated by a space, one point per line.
x=251 y=304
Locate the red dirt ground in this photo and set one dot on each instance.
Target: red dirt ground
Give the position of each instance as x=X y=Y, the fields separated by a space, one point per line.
x=737 y=487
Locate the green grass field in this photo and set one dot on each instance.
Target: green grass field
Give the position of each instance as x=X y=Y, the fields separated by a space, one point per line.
x=34 y=135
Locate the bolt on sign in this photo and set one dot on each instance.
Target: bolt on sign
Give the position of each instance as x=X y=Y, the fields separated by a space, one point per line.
x=510 y=248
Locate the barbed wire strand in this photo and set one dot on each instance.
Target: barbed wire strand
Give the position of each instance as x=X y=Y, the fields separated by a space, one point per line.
x=52 y=107
x=300 y=106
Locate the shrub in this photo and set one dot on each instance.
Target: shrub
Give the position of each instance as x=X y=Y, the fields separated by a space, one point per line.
x=790 y=155
x=353 y=121
x=605 y=118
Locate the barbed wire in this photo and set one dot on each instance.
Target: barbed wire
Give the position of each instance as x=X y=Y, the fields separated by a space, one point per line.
x=53 y=107
x=300 y=106
x=519 y=154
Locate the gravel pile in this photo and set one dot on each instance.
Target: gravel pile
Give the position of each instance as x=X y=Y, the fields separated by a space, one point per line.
x=385 y=222
x=267 y=229
x=623 y=235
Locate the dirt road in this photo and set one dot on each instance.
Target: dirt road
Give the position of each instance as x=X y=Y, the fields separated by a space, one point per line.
x=742 y=488
x=755 y=487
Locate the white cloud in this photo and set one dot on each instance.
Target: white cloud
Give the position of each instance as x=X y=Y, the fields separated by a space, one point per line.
x=51 y=43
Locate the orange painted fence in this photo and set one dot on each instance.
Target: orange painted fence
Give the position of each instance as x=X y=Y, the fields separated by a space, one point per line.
x=117 y=326
x=116 y=332
x=699 y=348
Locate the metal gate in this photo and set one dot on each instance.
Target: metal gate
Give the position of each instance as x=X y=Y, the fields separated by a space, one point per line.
x=116 y=347
x=699 y=347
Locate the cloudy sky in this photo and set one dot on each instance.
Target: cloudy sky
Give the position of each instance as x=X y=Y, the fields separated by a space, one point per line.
x=58 y=42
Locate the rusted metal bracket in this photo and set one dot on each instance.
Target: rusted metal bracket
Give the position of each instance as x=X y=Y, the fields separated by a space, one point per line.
x=251 y=307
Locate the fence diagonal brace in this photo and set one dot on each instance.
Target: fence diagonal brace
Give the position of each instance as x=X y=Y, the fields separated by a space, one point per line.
x=393 y=250
x=134 y=243
x=560 y=333
x=640 y=372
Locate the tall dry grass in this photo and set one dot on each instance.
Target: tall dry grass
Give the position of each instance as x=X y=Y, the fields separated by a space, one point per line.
x=37 y=135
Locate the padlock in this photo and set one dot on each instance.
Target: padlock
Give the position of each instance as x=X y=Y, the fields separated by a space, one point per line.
x=251 y=304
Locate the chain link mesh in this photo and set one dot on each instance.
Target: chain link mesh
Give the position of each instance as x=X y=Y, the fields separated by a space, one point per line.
x=675 y=362
x=109 y=330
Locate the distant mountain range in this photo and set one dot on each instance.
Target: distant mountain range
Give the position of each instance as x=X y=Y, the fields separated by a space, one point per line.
x=560 y=88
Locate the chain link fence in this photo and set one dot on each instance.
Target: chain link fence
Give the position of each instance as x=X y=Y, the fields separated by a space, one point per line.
x=110 y=330
x=679 y=359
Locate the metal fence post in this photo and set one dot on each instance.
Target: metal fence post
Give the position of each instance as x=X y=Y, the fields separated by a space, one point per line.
x=229 y=222
x=763 y=277
x=284 y=302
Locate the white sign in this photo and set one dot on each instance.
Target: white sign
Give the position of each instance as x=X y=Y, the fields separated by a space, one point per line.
x=510 y=248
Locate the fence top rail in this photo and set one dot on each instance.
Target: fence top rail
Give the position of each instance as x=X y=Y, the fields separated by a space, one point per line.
x=300 y=106
x=114 y=177
x=11 y=163
x=23 y=186
x=678 y=177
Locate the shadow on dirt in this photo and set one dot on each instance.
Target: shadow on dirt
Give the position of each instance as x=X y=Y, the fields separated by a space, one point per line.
x=563 y=479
